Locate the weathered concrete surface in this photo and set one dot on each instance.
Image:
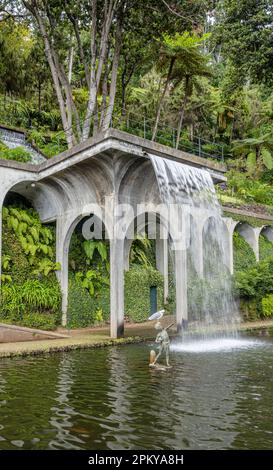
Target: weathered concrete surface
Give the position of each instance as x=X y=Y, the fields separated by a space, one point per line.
x=113 y=167
x=94 y=178
x=14 y=333
x=99 y=337
x=82 y=339
x=254 y=215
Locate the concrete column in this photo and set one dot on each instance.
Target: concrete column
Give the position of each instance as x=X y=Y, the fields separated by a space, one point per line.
x=63 y=234
x=162 y=262
x=229 y=258
x=181 y=288
x=117 y=287
x=127 y=248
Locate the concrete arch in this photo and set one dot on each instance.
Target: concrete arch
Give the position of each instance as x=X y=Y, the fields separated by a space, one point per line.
x=138 y=183
x=251 y=236
x=64 y=230
x=267 y=231
x=180 y=266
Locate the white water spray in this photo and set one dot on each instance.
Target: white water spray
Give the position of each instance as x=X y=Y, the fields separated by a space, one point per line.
x=212 y=310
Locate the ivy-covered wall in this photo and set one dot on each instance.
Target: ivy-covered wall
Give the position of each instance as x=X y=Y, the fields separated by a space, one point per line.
x=138 y=281
x=85 y=310
x=30 y=293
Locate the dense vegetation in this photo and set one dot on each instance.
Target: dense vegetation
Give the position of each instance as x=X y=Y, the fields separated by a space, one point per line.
x=30 y=293
x=184 y=73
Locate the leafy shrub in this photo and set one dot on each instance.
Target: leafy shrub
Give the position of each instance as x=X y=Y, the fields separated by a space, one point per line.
x=31 y=296
x=253 y=284
x=39 y=321
x=243 y=254
x=250 y=189
x=39 y=295
x=138 y=281
x=19 y=154
x=84 y=310
x=267 y=305
x=24 y=233
x=265 y=248
x=249 y=309
x=3 y=147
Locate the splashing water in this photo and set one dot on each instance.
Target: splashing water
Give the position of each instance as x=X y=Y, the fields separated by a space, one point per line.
x=216 y=345
x=212 y=310
x=15 y=139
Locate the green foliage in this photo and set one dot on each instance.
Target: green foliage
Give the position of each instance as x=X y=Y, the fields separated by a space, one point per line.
x=92 y=280
x=258 y=151
x=19 y=154
x=47 y=266
x=36 y=240
x=27 y=249
x=91 y=246
x=249 y=189
x=243 y=254
x=142 y=252
x=255 y=282
x=84 y=310
x=265 y=248
x=39 y=321
x=3 y=147
x=138 y=281
x=30 y=299
x=267 y=305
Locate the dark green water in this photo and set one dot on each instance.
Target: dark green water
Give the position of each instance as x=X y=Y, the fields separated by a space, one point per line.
x=109 y=399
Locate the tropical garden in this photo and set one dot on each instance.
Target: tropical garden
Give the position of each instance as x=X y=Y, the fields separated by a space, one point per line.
x=193 y=75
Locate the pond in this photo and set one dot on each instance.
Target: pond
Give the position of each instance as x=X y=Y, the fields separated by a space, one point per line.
x=212 y=398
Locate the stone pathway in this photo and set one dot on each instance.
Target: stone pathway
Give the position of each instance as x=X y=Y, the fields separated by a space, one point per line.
x=95 y=338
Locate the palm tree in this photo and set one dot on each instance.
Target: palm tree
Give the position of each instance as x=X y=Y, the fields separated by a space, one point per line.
x=180 y=58
x=196 y=67
x=258 y=151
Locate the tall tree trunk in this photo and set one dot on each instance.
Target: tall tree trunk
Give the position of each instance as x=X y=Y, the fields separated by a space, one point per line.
x=182 y=110
x=104 y=93
x=96 y=74
x=109 y=110
x=70 y=63
x=39 y=94
x=123 y=94
x=161 y=101
x=56 y=79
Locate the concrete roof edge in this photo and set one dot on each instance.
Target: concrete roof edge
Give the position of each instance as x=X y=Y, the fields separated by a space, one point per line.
x=144 y=144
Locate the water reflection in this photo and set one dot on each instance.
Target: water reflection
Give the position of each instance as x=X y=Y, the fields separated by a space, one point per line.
x=63 y=412
x=110 y=399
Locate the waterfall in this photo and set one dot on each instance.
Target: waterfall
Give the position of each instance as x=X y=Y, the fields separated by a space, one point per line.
x=15 y=139
x=212 y=309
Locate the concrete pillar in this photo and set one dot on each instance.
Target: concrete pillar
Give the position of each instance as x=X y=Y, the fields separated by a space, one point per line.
x=127 y=248
x=181 y=288
x=62 y=252
x=117 y=287
x=229 y=258
x=162 y=262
